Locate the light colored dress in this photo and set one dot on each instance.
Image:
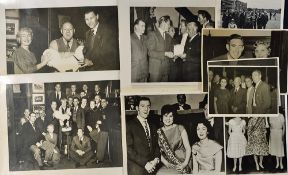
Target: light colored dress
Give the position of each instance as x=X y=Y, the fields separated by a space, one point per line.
x=237 y=142
x=257 y=142
x=205 y=155
x=174 y=138
x=276 y=145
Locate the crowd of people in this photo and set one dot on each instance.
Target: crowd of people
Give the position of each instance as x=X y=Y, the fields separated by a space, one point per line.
x=168 y=149
x=159 y=54
x=247 y=19
x=77 y=124
x=241 y=95
x=248 y=137
x=91 y=56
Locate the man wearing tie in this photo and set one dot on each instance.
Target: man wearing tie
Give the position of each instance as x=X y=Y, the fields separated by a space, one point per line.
x=181 y=105
x=238 y=98
x=250 y=93
x=142 y=148
x=261 y=96
x=160 y=49
x=139 y=60
x=78 y=116
x=56 y=95
x=73 y=92
x=66 y=43
x=192 y=54
x=101 y=45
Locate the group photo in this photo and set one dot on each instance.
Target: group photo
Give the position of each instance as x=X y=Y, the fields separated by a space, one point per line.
x=64 y=125
x=173 y=134
x=166 y=43
x=257 y=144
x=251 y=14
x=243 y=90
x=68 y=39
x=234 y=45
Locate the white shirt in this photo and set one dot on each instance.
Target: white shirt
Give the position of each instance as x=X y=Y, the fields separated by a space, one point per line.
x=248 y=94
x=162 y=33
x=143 y=123
x=193 y=37
x=95 y=29
x=211 y=122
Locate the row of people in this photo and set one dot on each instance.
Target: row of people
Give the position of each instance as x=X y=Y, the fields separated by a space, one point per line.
x=147 y=146
x=154 y=57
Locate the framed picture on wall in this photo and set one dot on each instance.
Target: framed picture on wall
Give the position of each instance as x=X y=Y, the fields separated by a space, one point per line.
x=39 y=107
x=38 y=99
x=12 y=27
x=38 y=87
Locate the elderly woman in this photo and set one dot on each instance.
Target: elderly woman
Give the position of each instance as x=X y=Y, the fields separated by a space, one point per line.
x=174 y=144
x=25 y=60
x=206 y=153
x=262 y=49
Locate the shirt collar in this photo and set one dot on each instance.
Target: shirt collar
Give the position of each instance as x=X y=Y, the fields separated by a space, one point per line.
x=65 y=41
x=257 y=84
x=141 y=119
x=161 y=31
x=95 y=29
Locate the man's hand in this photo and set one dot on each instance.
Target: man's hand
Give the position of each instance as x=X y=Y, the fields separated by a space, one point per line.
x=169 y=54
x=79 y=152
x=149 y=167
x=87 y=62
x=89 y=128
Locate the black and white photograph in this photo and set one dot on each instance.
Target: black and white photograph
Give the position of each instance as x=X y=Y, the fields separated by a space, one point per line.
x=245 y=90
x=252 y=14
x=257 y=145
x=72 y=125
x=173 y=134
x=166 y=43
x=62 y=39
x=233 y=45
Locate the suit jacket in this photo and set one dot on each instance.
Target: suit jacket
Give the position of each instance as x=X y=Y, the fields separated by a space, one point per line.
x=104 y=53
x=238 y=100
x=250 y=101
x=218 y=130
x=50 y=142
x=73 y=96
x=176 y=106
x=138 y=151
x=78 y=117
x=52 y=97
x=139 y=60
x=262 y=98
x=99 y=93
x=41 y=124
x=193 y=50
x=157 y=47
x=76 y=144
x=30 y=136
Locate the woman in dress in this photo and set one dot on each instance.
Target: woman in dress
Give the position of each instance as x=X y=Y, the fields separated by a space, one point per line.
x=25 y=60
x=257 y=142
x=206 y=153
x=221 y=98
x=174 y=144
x=237 y=142
x=277 y=134
x=262 y=49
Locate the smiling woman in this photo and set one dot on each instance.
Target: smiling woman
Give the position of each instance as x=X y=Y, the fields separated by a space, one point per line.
x=25 y=60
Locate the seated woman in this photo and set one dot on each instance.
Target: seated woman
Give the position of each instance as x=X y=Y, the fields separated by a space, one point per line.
x=25 y=60
x=206 y=153
x=174 y=144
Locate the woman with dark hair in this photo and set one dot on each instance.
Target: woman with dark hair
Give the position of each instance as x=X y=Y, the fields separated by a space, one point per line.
x=221 y=98
x=206 y=153
x=174 y=144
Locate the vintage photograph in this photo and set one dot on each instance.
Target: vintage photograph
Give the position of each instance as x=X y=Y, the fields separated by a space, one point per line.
x=173 y=134
x=251 y=14
x=166 y=43
x=257 y=145
x=249 y=91
x=72 y=125
x=66 y=39
x=233 y=45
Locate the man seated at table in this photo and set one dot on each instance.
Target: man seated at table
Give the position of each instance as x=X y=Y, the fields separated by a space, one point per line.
x=81 y=151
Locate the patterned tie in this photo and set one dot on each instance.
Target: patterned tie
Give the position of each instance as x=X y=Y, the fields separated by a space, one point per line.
x=147 y=133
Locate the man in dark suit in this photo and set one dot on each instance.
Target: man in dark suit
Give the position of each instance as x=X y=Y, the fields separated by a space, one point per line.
x=73 y=92
x=235 y=48
x=56 y=95
x=139 y=60
x=31 y=140
x=78 y=116
x=87 y=93
x=205 y=19
x=81 y=151
x=40 y=122
x=159 y=45
x=101 y=45
x=97 y=91
x=142 y=148
x=261 y=96
x=250 y=93
x=192 y=54
x=238 y=98
x=181 y=105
